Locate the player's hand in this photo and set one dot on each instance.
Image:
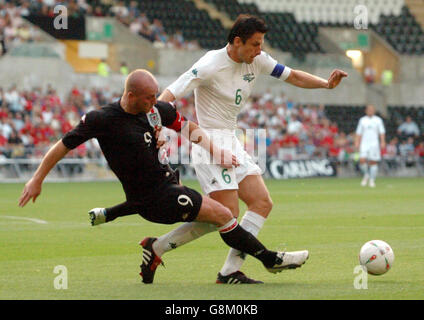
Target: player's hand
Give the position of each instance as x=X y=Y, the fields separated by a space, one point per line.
x=31 y=191
x=335 y=78
x=226 y=159
x=383 y=145
x=160 y=138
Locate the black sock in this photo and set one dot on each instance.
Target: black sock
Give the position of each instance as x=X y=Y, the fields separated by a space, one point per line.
x=120 y=210
x=240 y=239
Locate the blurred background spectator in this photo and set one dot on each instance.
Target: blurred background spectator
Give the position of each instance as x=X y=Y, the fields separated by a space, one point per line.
x=387 y=77
x=369 y=74
x=408 y=128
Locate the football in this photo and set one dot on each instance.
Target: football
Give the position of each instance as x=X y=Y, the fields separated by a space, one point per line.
x=377 y=257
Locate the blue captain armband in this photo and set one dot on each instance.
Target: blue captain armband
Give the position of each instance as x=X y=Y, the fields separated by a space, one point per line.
x=278 y=71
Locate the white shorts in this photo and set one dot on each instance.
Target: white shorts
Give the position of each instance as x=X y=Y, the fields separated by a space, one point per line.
x=212 y=177
x=371 y=153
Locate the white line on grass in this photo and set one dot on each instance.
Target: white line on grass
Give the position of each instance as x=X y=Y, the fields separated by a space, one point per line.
x=24 y=218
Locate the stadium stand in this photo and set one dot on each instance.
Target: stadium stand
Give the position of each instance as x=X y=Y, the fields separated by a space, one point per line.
x=286 y=33
x=234 y=8
x=184 y=16
x=294 y=23
x=175 y=23
x=329 y=11
x=402 y=31
x=13 y=28
x=32 y=119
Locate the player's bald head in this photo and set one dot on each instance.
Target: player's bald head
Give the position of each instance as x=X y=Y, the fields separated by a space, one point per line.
x=370 y=110
x=141 y=89
x=140 y=81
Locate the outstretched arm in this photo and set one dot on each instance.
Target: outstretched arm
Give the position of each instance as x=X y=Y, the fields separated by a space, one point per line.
x=306 y=80
x=32 y=188
x=166 y=96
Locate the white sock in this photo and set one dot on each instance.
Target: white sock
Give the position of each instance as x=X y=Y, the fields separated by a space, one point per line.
x=251 y=222
x=373 y=171
x=184 y=233
x=364 y=169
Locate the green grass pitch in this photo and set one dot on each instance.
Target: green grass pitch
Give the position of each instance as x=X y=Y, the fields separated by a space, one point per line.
x=331 y=218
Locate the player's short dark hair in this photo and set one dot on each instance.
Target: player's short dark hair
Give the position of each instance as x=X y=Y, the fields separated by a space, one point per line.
x=245 y=26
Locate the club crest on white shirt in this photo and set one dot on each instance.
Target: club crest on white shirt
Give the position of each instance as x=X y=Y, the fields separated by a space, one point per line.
x=249 y=77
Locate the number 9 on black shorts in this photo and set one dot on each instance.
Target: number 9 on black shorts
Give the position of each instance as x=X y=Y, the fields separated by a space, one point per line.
x=174 y=203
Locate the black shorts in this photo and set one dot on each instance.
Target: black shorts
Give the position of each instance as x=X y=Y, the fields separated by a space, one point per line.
x=174 y=203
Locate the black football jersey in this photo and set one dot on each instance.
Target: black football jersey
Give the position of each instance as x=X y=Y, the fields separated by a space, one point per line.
x=129 y=145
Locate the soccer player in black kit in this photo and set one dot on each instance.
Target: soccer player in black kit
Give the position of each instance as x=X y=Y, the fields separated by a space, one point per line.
x=129 y=144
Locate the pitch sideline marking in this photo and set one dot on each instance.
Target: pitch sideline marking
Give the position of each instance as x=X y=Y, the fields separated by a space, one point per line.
x=39 y=221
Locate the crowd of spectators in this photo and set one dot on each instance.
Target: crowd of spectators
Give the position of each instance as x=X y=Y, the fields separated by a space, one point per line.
x=14 y=30
x=295 y=131
x=303 y=131
x=152 y=30
x=31 y=121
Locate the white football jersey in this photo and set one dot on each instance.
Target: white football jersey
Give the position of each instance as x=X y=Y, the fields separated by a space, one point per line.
x=370 y=128
x=222 y=86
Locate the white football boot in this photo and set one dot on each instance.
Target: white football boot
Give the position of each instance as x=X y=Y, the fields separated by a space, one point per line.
x=97 y=216
x=289 y=260
x=372 y=183
x=364 y=181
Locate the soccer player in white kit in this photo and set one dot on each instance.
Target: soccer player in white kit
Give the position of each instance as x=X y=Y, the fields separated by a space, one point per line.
x=222 y=81
x=370 y=139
